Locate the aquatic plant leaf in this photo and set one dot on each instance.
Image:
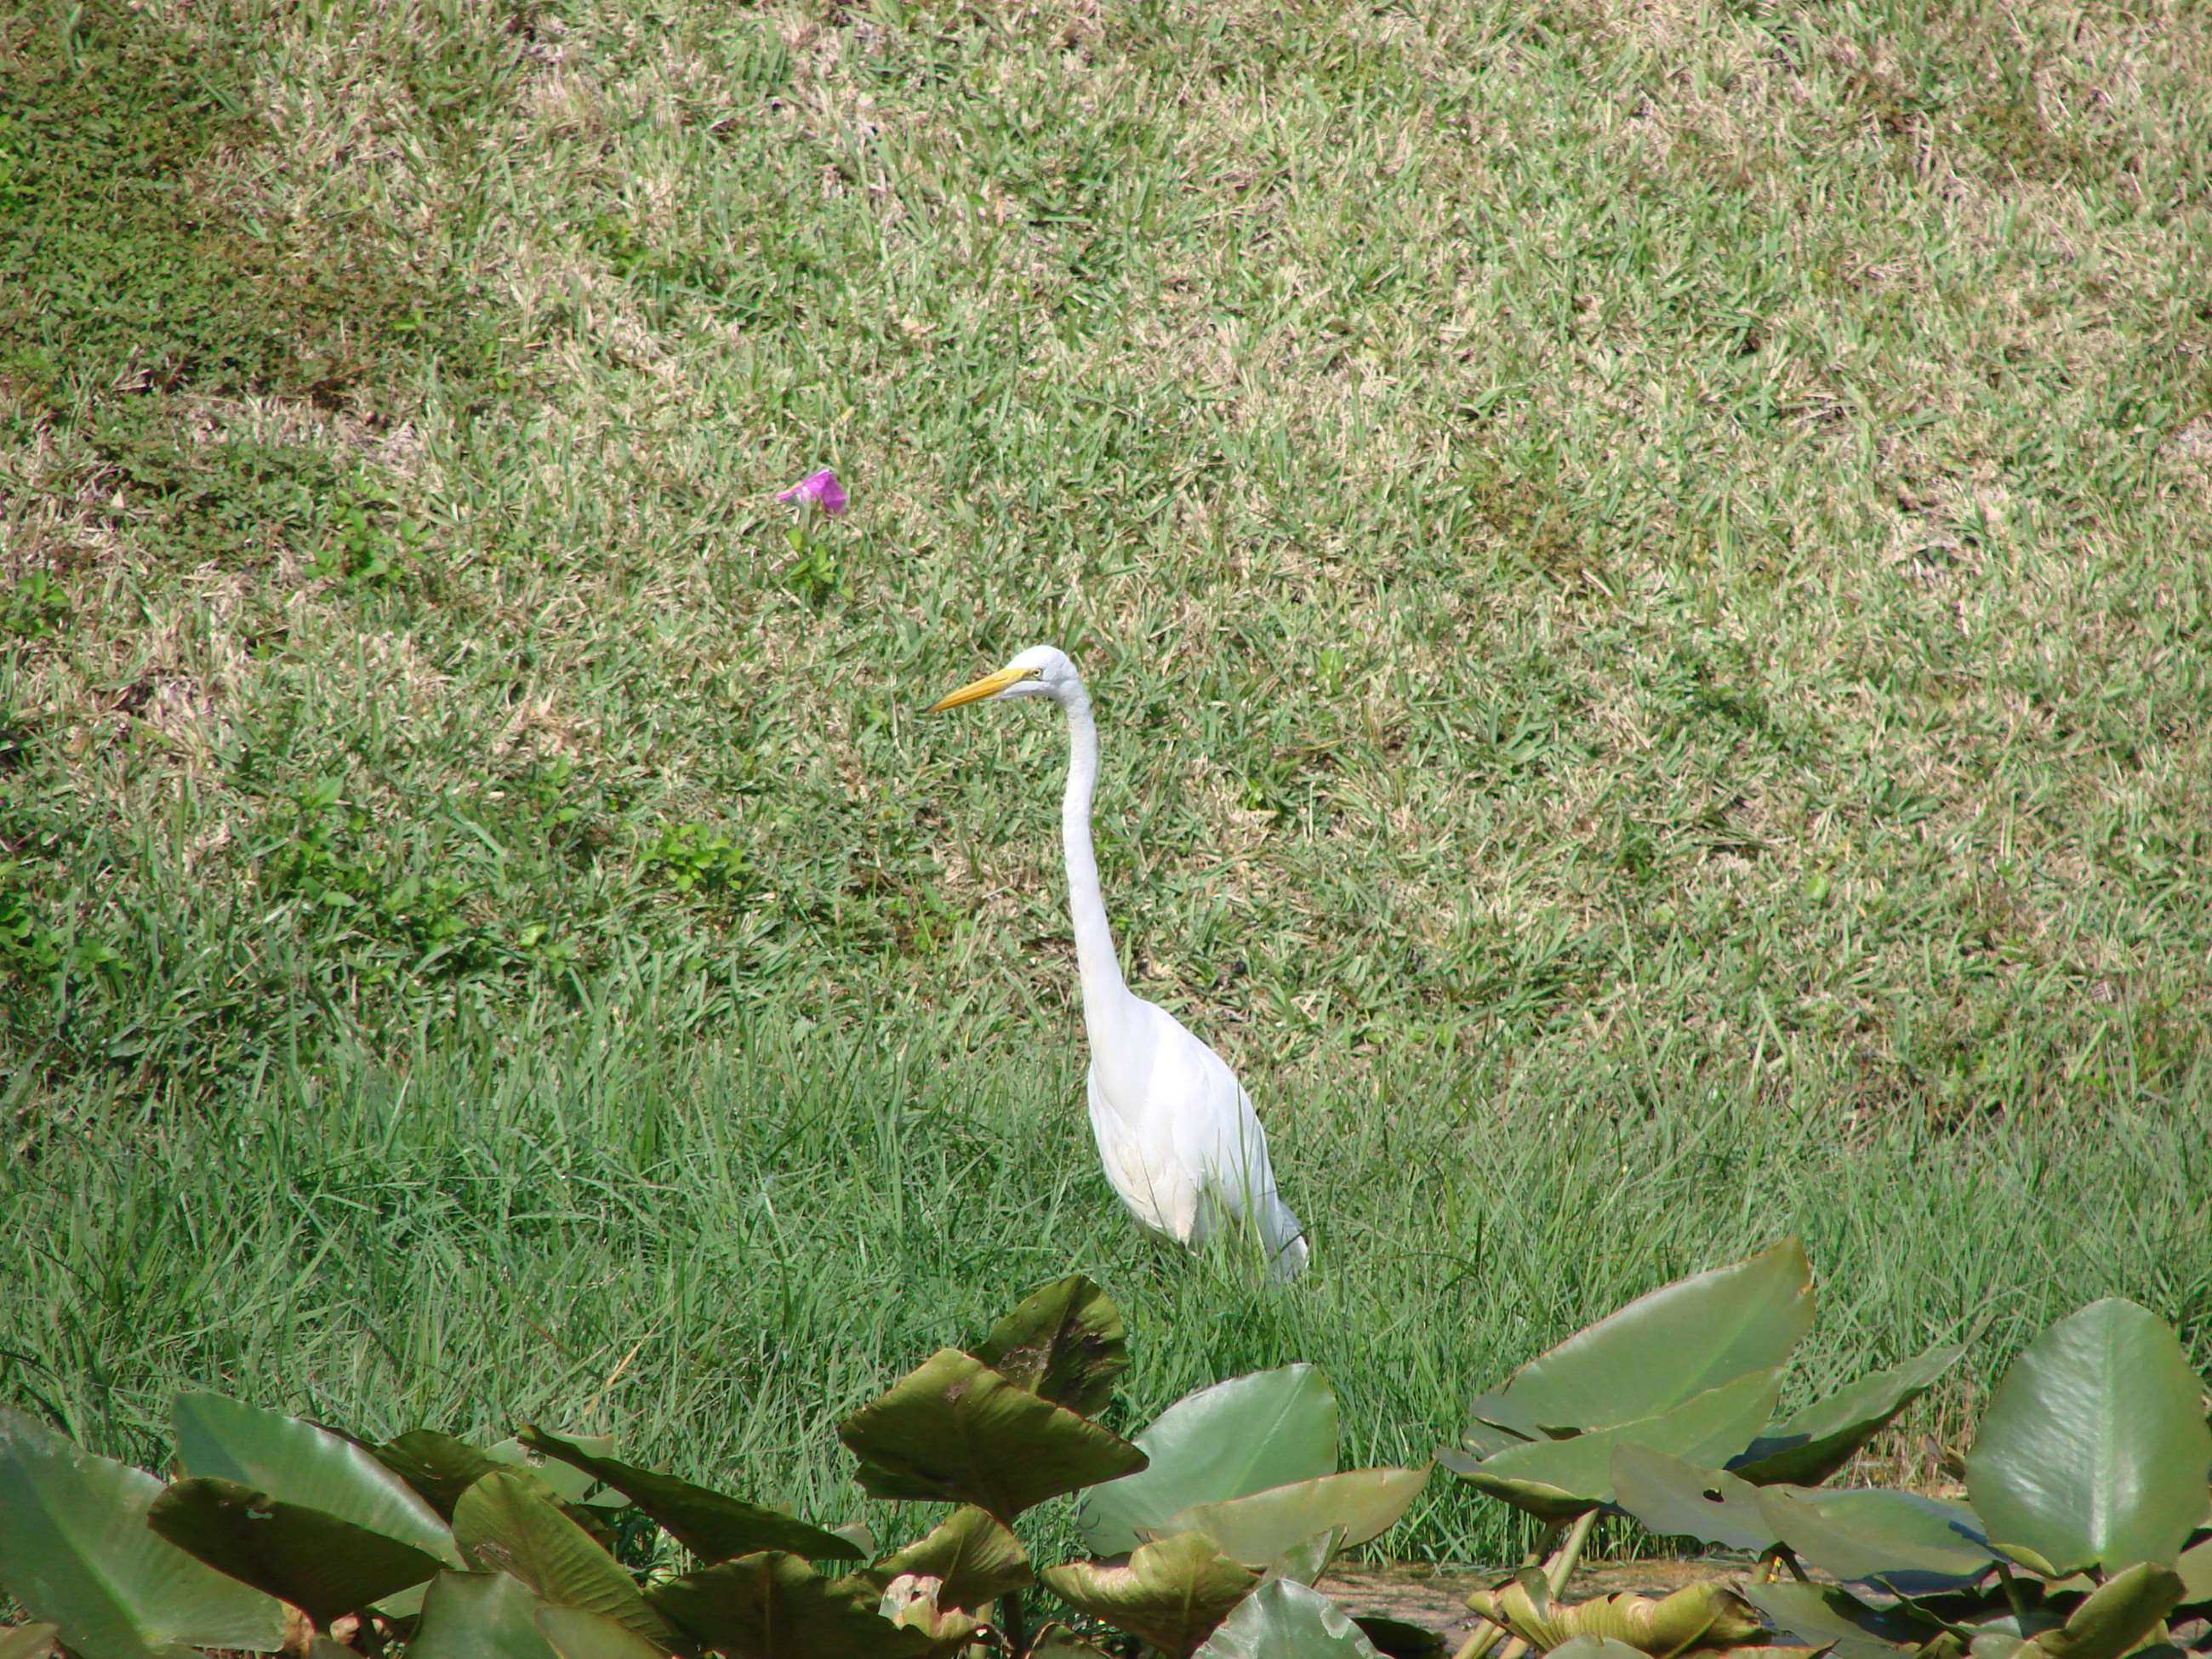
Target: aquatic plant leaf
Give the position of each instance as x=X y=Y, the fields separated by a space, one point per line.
x=1172 y=1594
x=1065 y=1343
x=2095 y=1451
x=953 y=1428
x=2112 y=1618
x=479 y=1616
x=1912 y=1544
x=1259 y=1528
x=1559 y=1479
x=1807 y=1447
x=1664 y=1348
x=575 y=1634
x=1823 y=1617
x=438 y=1467
x=972 y=1557
x=1396 y=1639
x=1266 y=1429
x=1283 y=1619
x=1305 y=1562
x=1695 y=1618
x=772 y=1605
x=712 y=1525
x=76 y=1553
x=506 y=1524
x=297 y=1462
x=319 y=1563
x=1676 y=1498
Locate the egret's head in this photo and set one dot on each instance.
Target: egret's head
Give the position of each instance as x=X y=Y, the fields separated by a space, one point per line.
x=1039 y=671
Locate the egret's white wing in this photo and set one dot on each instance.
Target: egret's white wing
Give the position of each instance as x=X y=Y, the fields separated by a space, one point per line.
x=1152 y=1186
x=1179 y=1139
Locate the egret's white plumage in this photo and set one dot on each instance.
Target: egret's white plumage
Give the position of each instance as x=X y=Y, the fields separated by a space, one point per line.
x=1175 y=1131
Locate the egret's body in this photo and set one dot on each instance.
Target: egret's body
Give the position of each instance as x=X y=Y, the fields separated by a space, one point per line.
x=1182 y=1146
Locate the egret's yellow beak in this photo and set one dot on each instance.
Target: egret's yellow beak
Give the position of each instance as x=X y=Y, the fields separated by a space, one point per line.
x=975 y=691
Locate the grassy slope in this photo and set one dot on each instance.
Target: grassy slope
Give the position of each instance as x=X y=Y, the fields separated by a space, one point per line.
x=1644 y=568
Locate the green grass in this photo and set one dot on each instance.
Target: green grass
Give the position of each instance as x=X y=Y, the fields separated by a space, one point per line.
x=1643 y=568
x=717 y=1253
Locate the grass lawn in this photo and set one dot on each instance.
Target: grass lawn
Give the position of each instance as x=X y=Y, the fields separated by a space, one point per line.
x=1646 y=570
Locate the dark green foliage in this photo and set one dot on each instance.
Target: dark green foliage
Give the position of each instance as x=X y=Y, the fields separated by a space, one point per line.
x=140 y=284
x=182 y=349
x=2090 y=1475
x=319 y=1562
x=530 y=1561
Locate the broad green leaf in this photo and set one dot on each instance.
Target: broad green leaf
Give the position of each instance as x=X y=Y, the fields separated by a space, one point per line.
x=1172 y=1594
x=1243 y=1436
x=1824 y=1618
x=1695 y=1617
x=479 y=1616
x=564 y=1480
x=1678 y=1499
x=1517 y=1419
x=773 y=1606
x=1063 y=1342
x=712 y=1526
x=1910 y=1543
x=2005 y=1637
x=321 y=1564
x=575 y=1634
x=1557 y=1479
x=1304 y=1563
x=76 y=1553
x=437 y=1466
x=910 y=1602
x=507 y=1524
x=954 y=1428
x=1258 y=1528
x=2116 y=1616
x=2094 y=1450
x=1396 y=1639
x=1282 y=1620
x=2195 y=1567
x=295 y=1462
x=1665 y=1348
x=2021 y=1555
x=974 y=1559
x=1481 y=1439
x=1807 y=1447
x=29 y=1641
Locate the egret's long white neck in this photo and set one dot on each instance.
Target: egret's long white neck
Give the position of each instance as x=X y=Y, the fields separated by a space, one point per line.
x=1094 y=939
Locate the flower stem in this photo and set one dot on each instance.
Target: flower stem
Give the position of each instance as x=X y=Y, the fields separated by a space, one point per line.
x=1479 y=1641
x=1557 y=1572
x=1569 y=1557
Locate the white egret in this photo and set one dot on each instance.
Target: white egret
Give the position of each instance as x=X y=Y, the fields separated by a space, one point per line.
x=1175 y=1130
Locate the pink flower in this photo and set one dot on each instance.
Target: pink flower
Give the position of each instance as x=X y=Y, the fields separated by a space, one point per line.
x=819 y=489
